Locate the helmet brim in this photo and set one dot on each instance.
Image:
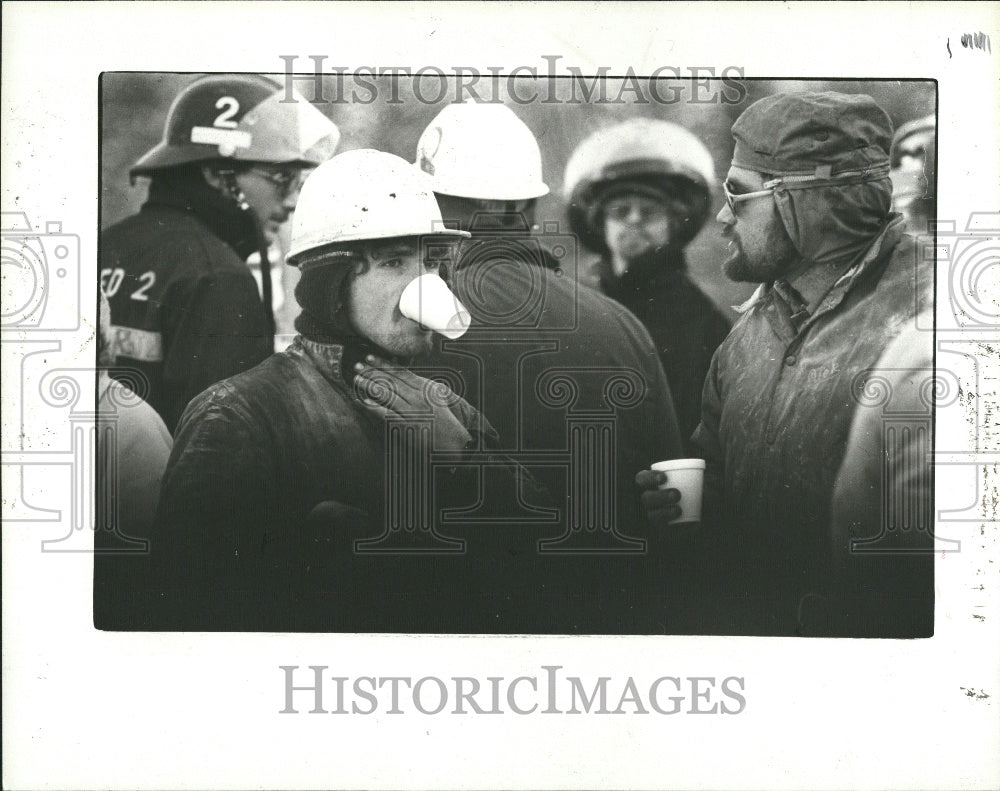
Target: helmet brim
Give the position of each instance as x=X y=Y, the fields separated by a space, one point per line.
x=309 y=246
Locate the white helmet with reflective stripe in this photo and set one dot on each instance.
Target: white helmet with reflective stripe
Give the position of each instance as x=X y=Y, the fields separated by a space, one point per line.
x=483 y=151
x=364 y=194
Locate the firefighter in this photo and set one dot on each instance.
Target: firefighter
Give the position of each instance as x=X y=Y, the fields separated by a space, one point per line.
x=186 y=310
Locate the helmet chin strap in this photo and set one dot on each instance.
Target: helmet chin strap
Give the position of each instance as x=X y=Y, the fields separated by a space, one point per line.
x=233 y=190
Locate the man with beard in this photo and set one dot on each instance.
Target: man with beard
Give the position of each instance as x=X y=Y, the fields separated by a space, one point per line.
x=638 y=193
x=808 y=217
x=184 y=304
x=566 y=375
x=281 y=478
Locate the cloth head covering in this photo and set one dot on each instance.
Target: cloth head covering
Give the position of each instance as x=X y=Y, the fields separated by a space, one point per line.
x=322 y=294
x=799 y=134
x=650 y=188
x=829 y=153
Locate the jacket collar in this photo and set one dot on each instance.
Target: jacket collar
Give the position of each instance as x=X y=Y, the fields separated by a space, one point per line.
x=327 y=357
x=885 y=241
x=190 y=193
x=874 y=256
x=336 y=361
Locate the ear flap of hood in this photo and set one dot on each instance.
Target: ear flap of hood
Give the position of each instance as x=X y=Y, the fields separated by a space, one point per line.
x=322 y=294
x=836 y=220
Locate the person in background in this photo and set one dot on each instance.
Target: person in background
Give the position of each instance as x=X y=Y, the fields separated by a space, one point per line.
x=808 y=217
x=133 y=446
x=638 y=193
x=914 y=173
x=537 y=336
x=185 y=308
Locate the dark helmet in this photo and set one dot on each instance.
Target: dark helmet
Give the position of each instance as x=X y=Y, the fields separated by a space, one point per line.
x=240 y=117
x=651 y=154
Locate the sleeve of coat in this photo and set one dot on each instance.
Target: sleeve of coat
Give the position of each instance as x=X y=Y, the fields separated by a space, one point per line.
x=216 y=506
x=219 y=332
x=707 y=444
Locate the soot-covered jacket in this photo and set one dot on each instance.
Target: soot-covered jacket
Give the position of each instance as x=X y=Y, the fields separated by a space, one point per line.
x=275 y=475
x=777 y=407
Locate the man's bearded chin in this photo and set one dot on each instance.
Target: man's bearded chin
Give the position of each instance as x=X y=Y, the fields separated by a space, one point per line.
x=778 y=257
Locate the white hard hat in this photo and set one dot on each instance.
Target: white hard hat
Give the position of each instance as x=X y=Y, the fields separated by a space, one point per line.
x=478 y=150
x=364 y=194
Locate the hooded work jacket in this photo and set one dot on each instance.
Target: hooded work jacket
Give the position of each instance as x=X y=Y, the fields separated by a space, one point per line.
x=777 y=406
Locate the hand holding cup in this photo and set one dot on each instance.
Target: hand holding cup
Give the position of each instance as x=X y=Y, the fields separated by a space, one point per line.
x=672 y=491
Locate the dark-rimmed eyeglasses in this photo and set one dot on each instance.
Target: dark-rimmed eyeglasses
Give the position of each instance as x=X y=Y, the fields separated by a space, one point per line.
x=287 y=181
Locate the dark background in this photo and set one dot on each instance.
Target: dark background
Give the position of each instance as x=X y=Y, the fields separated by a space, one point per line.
x=134 y=107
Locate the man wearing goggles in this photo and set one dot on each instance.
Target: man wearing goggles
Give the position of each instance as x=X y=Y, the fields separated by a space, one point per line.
x=808 y=217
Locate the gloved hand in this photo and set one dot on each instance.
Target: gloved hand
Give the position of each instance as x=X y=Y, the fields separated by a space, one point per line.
x=660 y=505
x=391 y=390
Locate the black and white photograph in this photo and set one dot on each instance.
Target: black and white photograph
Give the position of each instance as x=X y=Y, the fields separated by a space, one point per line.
x=461 y=395
x=398 y=382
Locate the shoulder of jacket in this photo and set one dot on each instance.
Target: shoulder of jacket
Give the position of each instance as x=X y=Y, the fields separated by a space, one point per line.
x=174 y=232
x=910 y=261
x=749 y=318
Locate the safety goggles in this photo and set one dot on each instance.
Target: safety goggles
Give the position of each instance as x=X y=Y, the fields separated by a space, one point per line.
x=734 y=198
x=822 y=178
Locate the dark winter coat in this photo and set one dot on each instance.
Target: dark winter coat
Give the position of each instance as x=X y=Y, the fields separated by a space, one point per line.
x=237 y=543
x=185 y=309
x=686 y=326
x=777 y=406
x=573 y=385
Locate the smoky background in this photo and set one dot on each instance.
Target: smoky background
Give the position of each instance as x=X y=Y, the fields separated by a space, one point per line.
x=389 y=114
